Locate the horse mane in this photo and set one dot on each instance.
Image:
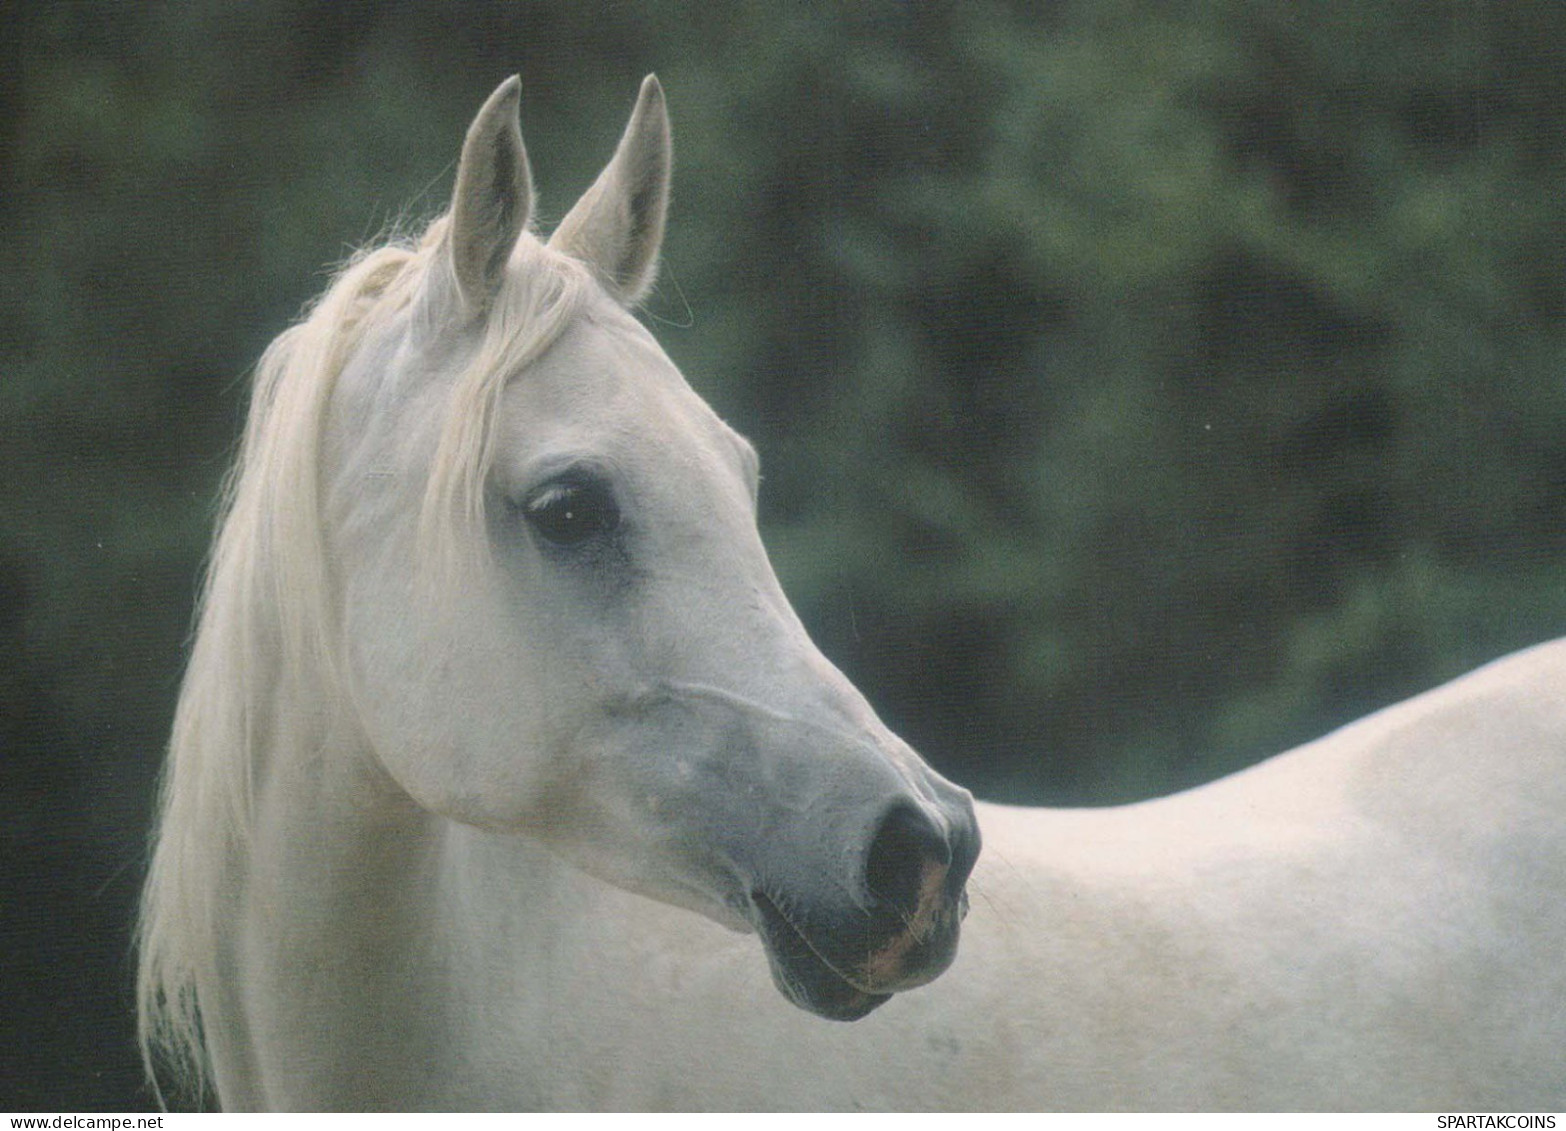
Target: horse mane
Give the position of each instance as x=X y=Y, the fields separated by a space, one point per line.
x=267 y=625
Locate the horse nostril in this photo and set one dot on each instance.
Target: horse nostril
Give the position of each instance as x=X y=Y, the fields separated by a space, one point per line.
x=903 y=846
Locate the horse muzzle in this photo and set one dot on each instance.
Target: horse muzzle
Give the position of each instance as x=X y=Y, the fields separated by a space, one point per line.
x=901 y=931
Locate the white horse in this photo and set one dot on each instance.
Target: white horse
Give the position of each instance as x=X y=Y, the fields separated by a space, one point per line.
x=490 y=652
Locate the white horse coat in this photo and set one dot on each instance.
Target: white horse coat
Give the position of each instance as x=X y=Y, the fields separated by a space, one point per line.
x=494 y=688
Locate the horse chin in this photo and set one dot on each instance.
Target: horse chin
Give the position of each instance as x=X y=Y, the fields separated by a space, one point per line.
x=803 y=976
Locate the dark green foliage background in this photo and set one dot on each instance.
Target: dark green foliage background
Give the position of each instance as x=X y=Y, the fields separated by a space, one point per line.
x=1143 y=388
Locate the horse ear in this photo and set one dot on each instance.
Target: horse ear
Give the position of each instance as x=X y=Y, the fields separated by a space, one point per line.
x=493 y=198
x=617 y=226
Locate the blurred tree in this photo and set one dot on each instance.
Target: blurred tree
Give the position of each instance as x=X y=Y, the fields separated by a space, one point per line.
x=1179 y=364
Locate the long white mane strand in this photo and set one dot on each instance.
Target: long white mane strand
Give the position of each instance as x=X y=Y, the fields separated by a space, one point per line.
x=268 y=624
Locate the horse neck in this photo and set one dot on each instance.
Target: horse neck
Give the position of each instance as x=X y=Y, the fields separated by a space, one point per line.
x=388 y=912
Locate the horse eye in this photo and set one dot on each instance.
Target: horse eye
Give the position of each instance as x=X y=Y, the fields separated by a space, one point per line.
x=569 y=512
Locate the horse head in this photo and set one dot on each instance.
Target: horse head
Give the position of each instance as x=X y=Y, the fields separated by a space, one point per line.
x=559 y=620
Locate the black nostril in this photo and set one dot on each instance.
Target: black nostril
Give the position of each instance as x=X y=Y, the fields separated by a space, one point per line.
x=903 y=845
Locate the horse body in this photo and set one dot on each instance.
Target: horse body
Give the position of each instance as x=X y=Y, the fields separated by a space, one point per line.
x=1369 y=922
x=494 y=687
x=1317 y=932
